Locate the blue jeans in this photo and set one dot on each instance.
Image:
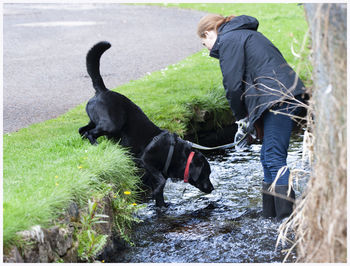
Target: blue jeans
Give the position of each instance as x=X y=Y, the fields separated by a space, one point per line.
x=274 y=150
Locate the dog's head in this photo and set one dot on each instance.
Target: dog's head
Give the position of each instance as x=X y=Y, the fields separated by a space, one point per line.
x=199 y=172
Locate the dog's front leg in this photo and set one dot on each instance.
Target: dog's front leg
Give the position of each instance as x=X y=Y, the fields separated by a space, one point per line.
x=94 y=133
x=159 y=194
x=158 y=184
x=85 y=132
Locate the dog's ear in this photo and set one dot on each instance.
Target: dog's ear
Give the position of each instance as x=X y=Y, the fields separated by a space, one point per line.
x=199 y=174
x=196 y=169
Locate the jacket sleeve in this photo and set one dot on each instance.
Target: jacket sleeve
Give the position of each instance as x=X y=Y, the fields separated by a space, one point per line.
x=232 y=67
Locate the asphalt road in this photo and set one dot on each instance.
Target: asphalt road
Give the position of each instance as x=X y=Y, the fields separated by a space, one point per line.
x=44 y=49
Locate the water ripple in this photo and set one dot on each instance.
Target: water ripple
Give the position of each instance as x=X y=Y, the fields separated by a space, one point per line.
x=224 y=226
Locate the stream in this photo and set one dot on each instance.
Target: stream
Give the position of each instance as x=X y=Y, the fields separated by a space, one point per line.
x=225 y=226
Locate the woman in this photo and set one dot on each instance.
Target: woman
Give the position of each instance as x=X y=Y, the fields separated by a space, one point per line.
x=258 y=80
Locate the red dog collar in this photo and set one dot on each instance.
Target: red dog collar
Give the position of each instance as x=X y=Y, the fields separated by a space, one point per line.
x=187 y=169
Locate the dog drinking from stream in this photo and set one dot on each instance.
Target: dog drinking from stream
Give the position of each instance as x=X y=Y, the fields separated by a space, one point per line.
x=161 y=153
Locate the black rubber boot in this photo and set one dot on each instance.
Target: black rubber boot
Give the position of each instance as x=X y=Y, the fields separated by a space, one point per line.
x=268 y=202
x=283 y=206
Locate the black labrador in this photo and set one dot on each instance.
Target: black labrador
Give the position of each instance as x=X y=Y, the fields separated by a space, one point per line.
x=159 y=152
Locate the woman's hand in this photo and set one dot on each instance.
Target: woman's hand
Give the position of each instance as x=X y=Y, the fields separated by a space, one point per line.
x=242 y=134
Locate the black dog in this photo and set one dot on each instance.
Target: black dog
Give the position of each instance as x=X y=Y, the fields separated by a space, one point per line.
x=159 y=152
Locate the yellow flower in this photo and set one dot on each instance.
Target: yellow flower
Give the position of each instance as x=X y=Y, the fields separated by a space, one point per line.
x=80 y=167
x=127 y=192
x=56 y=184
x=114 y=196
x=134 y=204
x=103 y=261
x=56 y=176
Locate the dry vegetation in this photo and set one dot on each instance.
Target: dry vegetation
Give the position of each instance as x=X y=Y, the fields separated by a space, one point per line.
x=319 y=221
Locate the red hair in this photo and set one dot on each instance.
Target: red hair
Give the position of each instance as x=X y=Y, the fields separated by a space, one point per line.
x=211 y=22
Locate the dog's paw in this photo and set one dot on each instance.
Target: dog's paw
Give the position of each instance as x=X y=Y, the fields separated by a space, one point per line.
x=82 y=131
x=161 y=209
x=167 y=205
x=92 y=140
x=84 y=135
x=163 y=205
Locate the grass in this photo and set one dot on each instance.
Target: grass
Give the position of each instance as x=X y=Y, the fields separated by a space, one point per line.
x=43 y=174
x=47 y=165
x=170 y=96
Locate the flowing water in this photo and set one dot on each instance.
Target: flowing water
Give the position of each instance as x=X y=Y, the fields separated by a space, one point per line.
x=224 y=226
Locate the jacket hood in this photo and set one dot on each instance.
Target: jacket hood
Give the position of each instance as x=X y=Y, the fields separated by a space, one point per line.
x=237 y=23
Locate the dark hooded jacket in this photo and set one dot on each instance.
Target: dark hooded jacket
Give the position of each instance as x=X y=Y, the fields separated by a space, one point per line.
x=255 y=74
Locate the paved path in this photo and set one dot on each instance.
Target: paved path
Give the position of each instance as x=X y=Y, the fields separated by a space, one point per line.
x=44 y=48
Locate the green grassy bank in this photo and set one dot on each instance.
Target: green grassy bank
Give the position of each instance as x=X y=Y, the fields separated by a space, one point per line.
x=48 y=165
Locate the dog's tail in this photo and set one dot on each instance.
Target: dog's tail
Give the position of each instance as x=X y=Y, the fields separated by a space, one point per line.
x=93 y=65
